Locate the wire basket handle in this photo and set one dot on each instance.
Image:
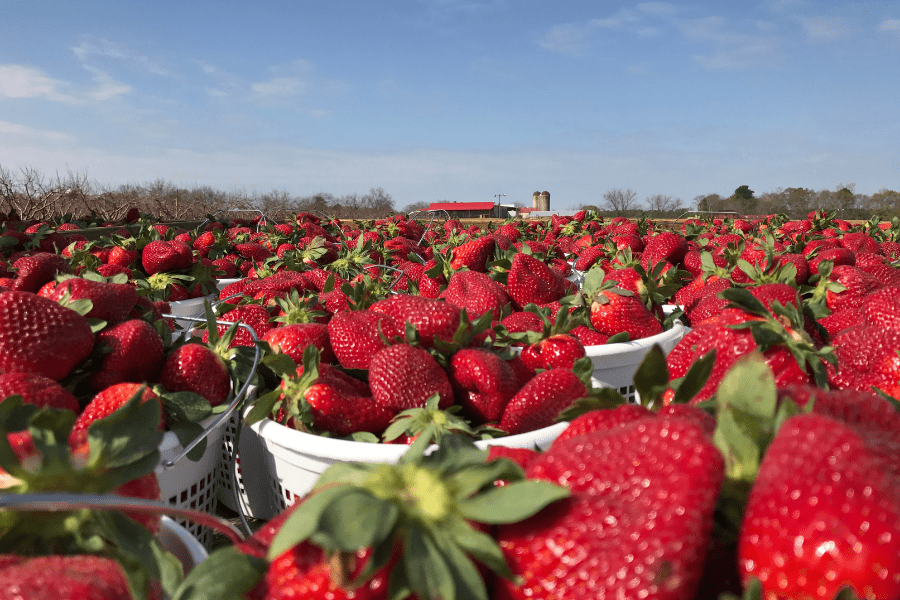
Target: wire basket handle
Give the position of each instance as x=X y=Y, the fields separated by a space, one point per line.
x=434 y=213
x=67 y=501
x=238 y=397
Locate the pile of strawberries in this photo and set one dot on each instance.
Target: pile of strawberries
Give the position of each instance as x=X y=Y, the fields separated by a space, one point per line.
x=762 y=458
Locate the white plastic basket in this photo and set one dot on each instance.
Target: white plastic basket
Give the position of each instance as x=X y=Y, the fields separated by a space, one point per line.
x=295 y=459
x=616 y=364
x=192 y=484
x=189 y=484
x=245 y=485
x=180 y=542
x=192 y=307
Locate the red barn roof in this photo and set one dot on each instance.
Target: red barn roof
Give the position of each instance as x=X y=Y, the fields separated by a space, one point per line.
x=461 y=206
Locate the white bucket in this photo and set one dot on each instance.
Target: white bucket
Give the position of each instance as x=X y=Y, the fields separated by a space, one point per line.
x=223 y=283
x=296 y=459
x=179 y=541
x=192 y=484
x=192 y=307
x=616 y=364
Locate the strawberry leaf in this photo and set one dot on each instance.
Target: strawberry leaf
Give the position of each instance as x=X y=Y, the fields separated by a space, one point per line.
x=227 y=574
x=504 y=504
x=651 y=379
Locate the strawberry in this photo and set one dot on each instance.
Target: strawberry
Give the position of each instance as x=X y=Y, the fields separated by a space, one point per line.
x=196 y=368
x=666 y=246
x=538 y=403
x=530 y=281
x=39 y=336
x=866 y=357
x=638 y=522
x=477 y=293
x=162 y=257
x=403 y=377
x=320 y=397
x=616 y=311
x=254 y=315
x=75 y=577
x=433 y=319
x=293 y=340
x=357 y=335
x=105 y=403
x=821 y=513
x=473 y=255
x=132 y=351
x=483 y=383
x=38 y=390
x=557 y=351
x=882 y=309
x=34 y=271
x=122 y=257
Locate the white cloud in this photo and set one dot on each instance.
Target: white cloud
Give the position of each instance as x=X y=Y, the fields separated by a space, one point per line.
x=568 y=39
x=19 y=81
x=733 y=49
x=105 y=87
x=824 y=28
x=104 y=48
x=890 y=25
x=292 y=82
x=14 y=132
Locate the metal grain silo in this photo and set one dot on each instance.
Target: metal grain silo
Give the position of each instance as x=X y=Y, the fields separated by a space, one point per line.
x=544 y=201
x=535 y=200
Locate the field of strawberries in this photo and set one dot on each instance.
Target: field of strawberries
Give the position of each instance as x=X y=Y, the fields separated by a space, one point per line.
x=569 y=408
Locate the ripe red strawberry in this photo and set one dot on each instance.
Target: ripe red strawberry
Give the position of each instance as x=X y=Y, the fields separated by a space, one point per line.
x=637 y=525
x=356 y=336
x=666 y=246
x=38 y=390
x=588 y=336
x=104 y=404
x=160 y=256
x=402 y=377
x=432 y=318
x=254 y=315
x=196 y=368
x=557 y=351
x=122 y=257
x=866 y=356
x=74 y=577
x=483 y=383
x=34 y=271
x=617 y=311
x=473 y=255
x=132 y=351
x=477 y=293
x=293 y=340
x=857 y=284
x=602 y=420
x=335 y=402
x=822 y=513
x=39 y=336
x=538 y=403
x=882 y=309
x=530 y=281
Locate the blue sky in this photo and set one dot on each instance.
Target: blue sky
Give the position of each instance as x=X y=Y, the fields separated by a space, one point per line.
x=456 y=99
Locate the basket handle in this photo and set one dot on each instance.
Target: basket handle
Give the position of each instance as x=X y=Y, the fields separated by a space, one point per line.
x=66 y=501
x=238 y=397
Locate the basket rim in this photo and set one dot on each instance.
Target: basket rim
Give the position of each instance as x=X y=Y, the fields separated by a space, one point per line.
x=299 y=442
x=643 y=344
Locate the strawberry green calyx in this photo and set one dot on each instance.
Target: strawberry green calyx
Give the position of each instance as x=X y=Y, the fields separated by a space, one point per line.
x=428 y=422
x=424 y=508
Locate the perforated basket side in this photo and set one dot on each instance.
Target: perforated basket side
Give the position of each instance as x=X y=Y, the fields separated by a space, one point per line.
x=246 y=485
x=191 y=484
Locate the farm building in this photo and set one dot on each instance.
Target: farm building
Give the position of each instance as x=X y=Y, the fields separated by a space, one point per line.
x=473 y=210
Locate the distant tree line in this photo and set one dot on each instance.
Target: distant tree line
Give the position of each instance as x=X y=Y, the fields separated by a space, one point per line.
x=31 y=195
x=794 y=202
